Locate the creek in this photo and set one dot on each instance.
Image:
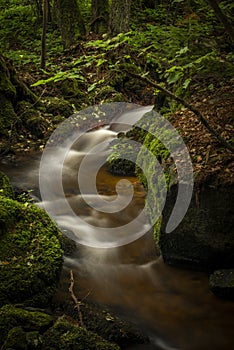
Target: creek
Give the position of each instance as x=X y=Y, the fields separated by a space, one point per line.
x=173 y=306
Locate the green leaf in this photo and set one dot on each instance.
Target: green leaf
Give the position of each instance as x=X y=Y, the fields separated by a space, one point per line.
x=186 y=83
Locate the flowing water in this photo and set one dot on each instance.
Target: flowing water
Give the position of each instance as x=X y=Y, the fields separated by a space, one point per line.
x=173 y=306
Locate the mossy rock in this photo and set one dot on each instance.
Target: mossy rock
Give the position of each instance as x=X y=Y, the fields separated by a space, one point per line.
x=107 y=325
x=107 y=94
x=30 y=254
x=5 y=186
x=117 y=162
x=65 y=336
x=222 y=283
x=58 y=107
x=6 y=86
x=7 y=114
x=17 y=323
x=70 y=89
x=16 y=339
x=31 y=119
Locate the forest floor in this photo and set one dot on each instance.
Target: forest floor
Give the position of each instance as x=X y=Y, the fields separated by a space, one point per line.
x=212 y=97
x=216 y=104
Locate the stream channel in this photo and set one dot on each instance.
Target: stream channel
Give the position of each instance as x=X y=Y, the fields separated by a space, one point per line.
x=173 y=306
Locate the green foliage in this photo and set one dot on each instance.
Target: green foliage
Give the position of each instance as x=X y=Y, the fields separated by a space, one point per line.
x=175 y=44
x=18 y=24
x=60 y=76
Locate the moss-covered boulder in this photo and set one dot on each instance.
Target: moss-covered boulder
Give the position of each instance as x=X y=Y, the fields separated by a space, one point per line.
x=107 y=94
x=205 y=237
x=31 y=119
x=30 y=253
x=5 y=186
x=222 y=283
x=18 y=327
x=65 y=335
x=58 y=107
x=107 y=325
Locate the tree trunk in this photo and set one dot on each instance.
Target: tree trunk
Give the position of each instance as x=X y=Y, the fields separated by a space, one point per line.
x=222 y=18
x=100 y=16
x=120 y=16
x=70 y=21
x=43 y=36
x=12 y=90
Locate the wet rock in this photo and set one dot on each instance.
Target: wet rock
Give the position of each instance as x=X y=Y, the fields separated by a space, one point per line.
x=66 y=335
x=222 y=283
x=205 y=238
x=17 y=324
x=107 y=325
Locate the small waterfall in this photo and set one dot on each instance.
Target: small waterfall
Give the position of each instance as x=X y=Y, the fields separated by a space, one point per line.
x=70 y=185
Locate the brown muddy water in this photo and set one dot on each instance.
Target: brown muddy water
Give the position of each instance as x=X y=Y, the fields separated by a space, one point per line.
x=173 y=306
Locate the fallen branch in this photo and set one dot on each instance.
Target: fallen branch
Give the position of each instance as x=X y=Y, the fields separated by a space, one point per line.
x=76 y=301
x=187 y=105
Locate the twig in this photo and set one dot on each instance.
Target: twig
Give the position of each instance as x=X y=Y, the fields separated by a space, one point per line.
x=86 y=296
x=187 y=105
x=76 y=301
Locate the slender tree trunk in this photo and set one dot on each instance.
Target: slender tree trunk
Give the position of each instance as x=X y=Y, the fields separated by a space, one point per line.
x=120 y=16
x=43 y=36
x=70 y=21
x=222 y=18
x=100 y=16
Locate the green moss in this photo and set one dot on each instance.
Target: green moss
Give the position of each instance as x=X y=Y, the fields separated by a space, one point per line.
x=16 y=339
x=64 y=335
x=9 y=214
x=5 y=186
x=117 y=163
x=6 y=86
x=15 y=321
x=157 y=227
x=30 y=254
x=108 y=94
x=7 y=114
x=58 y=107
x=107 y=325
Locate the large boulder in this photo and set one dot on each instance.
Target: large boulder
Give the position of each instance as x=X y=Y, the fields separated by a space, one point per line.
x=30 y=252
x=205 y=237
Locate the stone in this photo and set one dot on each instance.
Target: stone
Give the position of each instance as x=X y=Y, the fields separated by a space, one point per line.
x=67 y=335
x=15 y=322
x=30 y=252
x=222 y=283
x=204 y=239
